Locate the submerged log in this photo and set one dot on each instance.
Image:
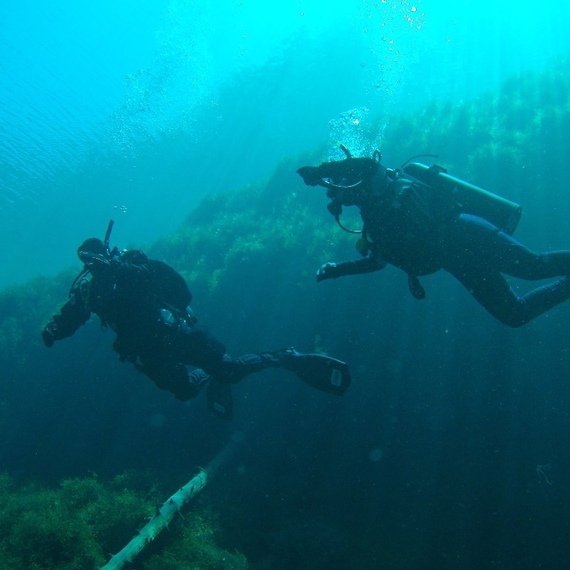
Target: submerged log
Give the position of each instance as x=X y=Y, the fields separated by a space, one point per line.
x=172 y=506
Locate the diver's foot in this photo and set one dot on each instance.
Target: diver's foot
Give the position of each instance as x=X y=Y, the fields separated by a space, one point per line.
x=234 y=371
x=283 y=357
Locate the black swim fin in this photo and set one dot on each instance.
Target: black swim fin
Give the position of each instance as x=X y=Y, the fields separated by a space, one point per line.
x=319 y=371
x=220 y=401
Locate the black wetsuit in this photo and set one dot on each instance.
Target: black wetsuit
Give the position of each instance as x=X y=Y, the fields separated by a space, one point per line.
x=144 y=302
x=409 y=225
x=479 y=254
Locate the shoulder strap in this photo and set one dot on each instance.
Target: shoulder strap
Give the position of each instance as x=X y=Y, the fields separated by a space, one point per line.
x=77 y=281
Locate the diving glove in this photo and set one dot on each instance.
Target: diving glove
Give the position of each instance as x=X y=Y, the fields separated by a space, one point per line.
x=48 y=337
x=327 y=271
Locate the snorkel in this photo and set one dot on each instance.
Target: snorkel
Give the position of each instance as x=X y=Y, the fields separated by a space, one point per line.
x=108 y=236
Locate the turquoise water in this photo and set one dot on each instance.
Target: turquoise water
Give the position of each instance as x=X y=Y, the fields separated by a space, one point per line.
x=449 y=450
x=136 y=111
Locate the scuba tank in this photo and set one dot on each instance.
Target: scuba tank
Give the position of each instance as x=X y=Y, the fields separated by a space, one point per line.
x=471 y=199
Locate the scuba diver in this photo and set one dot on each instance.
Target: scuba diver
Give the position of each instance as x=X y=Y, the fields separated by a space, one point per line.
x=421 y=220
x=146 y=303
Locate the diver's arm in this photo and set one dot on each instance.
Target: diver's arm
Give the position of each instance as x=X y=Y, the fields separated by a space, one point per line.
x=366 y=264
x=71 y=316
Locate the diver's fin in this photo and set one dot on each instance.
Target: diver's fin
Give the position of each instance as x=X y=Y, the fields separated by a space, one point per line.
x=320 y=371
x=220 y=401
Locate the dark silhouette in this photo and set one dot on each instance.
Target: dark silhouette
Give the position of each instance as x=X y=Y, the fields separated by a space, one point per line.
x=146 y=303
x=422 y=220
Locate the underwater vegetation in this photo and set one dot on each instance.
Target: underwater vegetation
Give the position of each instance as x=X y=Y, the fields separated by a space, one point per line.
x=506 y=136
x=70 y=527
x=77 y=525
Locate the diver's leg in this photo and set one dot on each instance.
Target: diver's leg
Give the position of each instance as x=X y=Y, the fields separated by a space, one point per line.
x=485 y=245
x=196 y=346
x=513 y=258
x=193 y=345
x=317 y=370
x=175 y=377
x=177 y=340
x=232 y=370
x=493 y=292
